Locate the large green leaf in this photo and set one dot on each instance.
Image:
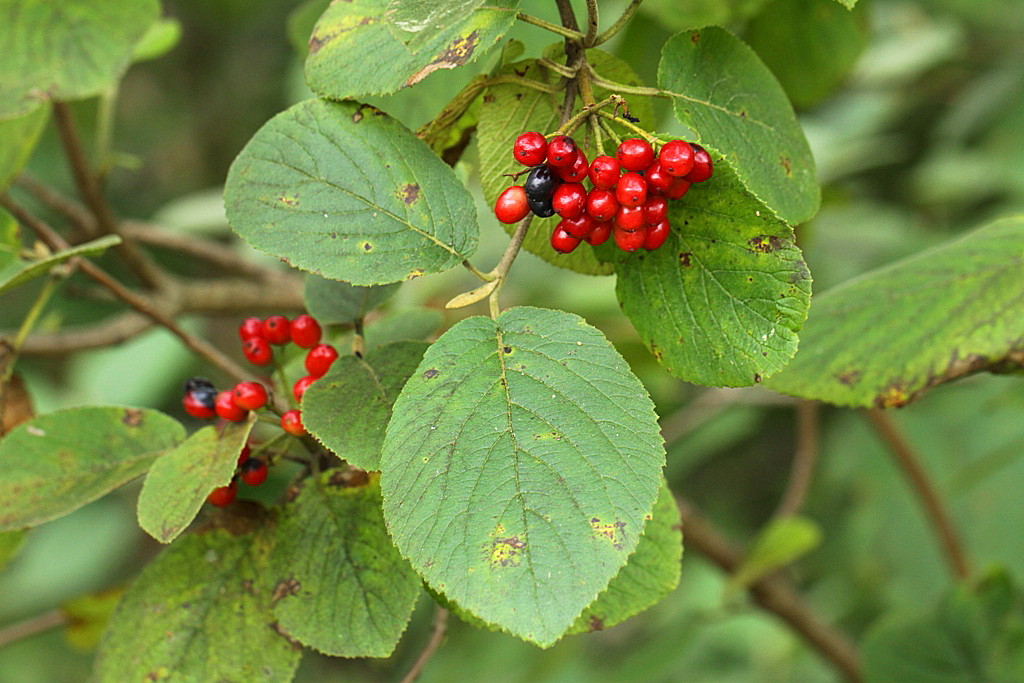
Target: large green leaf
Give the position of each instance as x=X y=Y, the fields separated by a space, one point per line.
x=343 y=190
x=181 y=479
x=66 y=50
x=721 y=301
x=16 y=272
x=410 y=324
x=54 y=464
x=201 y=611
x=885 y=337
x=332 y=301
x=651 y=573
x=369 y=47
x=342 y=587
x=732 y=101
x=520 y=465
x=18 y=137
x=348 y=409
x=508 y=109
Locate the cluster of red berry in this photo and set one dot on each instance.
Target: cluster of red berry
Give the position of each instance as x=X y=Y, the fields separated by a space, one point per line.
x=628 y=198
x=252 y=471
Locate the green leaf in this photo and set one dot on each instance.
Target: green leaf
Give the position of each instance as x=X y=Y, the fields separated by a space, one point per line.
x=972 y=636
x=370 y=47
x=10 y=241
x=301 y=21
x=342 y=587
x=848 y=4
x=18 y=272
x=810 y=45
x=782 y=541
x=332 y=301
x=54 y=464
x=884 y=338
x=86 y=617
x=66 y=50
x=732 y=101
x=519 y=467
x=721 y=301
x=343 y=190
x=180 y=480
x=18 y=137
x=651 y=573
x=509 y=109
x=160 y=39
x=412 y=324
x=348 y=409
x=10 y=544
x=201 y=611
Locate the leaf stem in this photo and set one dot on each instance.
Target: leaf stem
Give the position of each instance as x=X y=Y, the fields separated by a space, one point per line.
x=628 y=89
x=505 y=264
x=624 y=18
x=590 y=39
x=56 y=275
x=438 y=631
x=554 y=28
x=486 y=277
x=31 y=626
x=653 y=139
x=560 y=69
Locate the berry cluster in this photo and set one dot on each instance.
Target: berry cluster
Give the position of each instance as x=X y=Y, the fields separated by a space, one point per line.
x=628 y=196
x=251 y=470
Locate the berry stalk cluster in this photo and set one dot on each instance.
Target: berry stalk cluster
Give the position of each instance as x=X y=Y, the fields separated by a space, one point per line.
x=628 y=194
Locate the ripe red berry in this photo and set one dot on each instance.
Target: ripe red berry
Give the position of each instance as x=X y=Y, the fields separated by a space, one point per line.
x=657 y=179
x=635 y=154
x=655 y=209
x=305 y=331
x=291 y=422
x=223 y=495
x=676 y=158
x=656 y=235
x=276 y=329
x=253 y=472
x=629 y=218
x=250 y=327
x=630 y=240
x=226 y=408
x=511 y=206
x=257 y=351
x=600 y=234
x=601 y=205
x=244 y=455
x=569 y=200
x=576 y=171
x=299 y=388
x=604 y=172
x=249 y=395
x=580 y=227
x=562 y=241
x=561 y=151
x=530 y=148
x=199 y=402
x=678 y=188
x=319 y=359
x=701 y=170
x=631 y=190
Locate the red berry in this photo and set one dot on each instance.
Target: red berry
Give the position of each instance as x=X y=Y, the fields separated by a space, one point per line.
x=678 y=188
x=244 y=455
x=530 y=148
x=249 y=395
x=562 y=241
x=250 y=327
x=569 y=200
x=601 y=205
x=676 y=158
x=631 y=190
x=635 y=154
x=223 y=495
x=253 y=472
x=199 y=403
x=576 y=171
x=630 y=240
x=629 y=218
x=657 y=179
x=578 y=227
x=291 y=422
x=656 y=235
x=561 y=151
x=655 y=209
x=226 y=408
x=257 y=351
x=701 y=170
x=305 y=331
x=319 y=359
x=276 y=329
x=600 y=234
x=511 y=205
x=604 y=172
x=299 y=388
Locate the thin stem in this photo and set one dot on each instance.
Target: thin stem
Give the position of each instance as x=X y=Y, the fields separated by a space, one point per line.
x=629 y=89
x=29 y=322
x=592 y=20
x=436 y=638
x=805 y=455
x=473 y=269
x=588 y=110
x=507 y=259
x=560 y=69
x=627 y=14
x=31 y=626
x=104 y=127
x=77 y=214
x=525 y=82
x=554 y=28
x=653 y=139
x=934 y=508
x=773 y=593
x=610 y=131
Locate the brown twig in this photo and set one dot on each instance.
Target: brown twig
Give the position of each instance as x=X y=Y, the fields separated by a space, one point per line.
x=436 y=637
x=910 y=463
x=805 y=455
x=773 y=593
x=52 y=198
x=31 y=626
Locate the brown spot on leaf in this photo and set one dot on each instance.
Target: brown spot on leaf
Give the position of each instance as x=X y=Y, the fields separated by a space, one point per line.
x=285 y=587
x=349 y=477
x=288 y=200
x=431 y=373
x=132 y=417
x=765 y=243
x=366 y=246
x=892 y=397
x=488 y=98
x=458 y=52
x=684 y=258
x=507 y=349
x=848 y=378
x=695 y=37
x=276 y=627
x=595 y=623
x=409 y=193
x=787 y=165
x=505 y=551
x=414 y=273
x=757 y=378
